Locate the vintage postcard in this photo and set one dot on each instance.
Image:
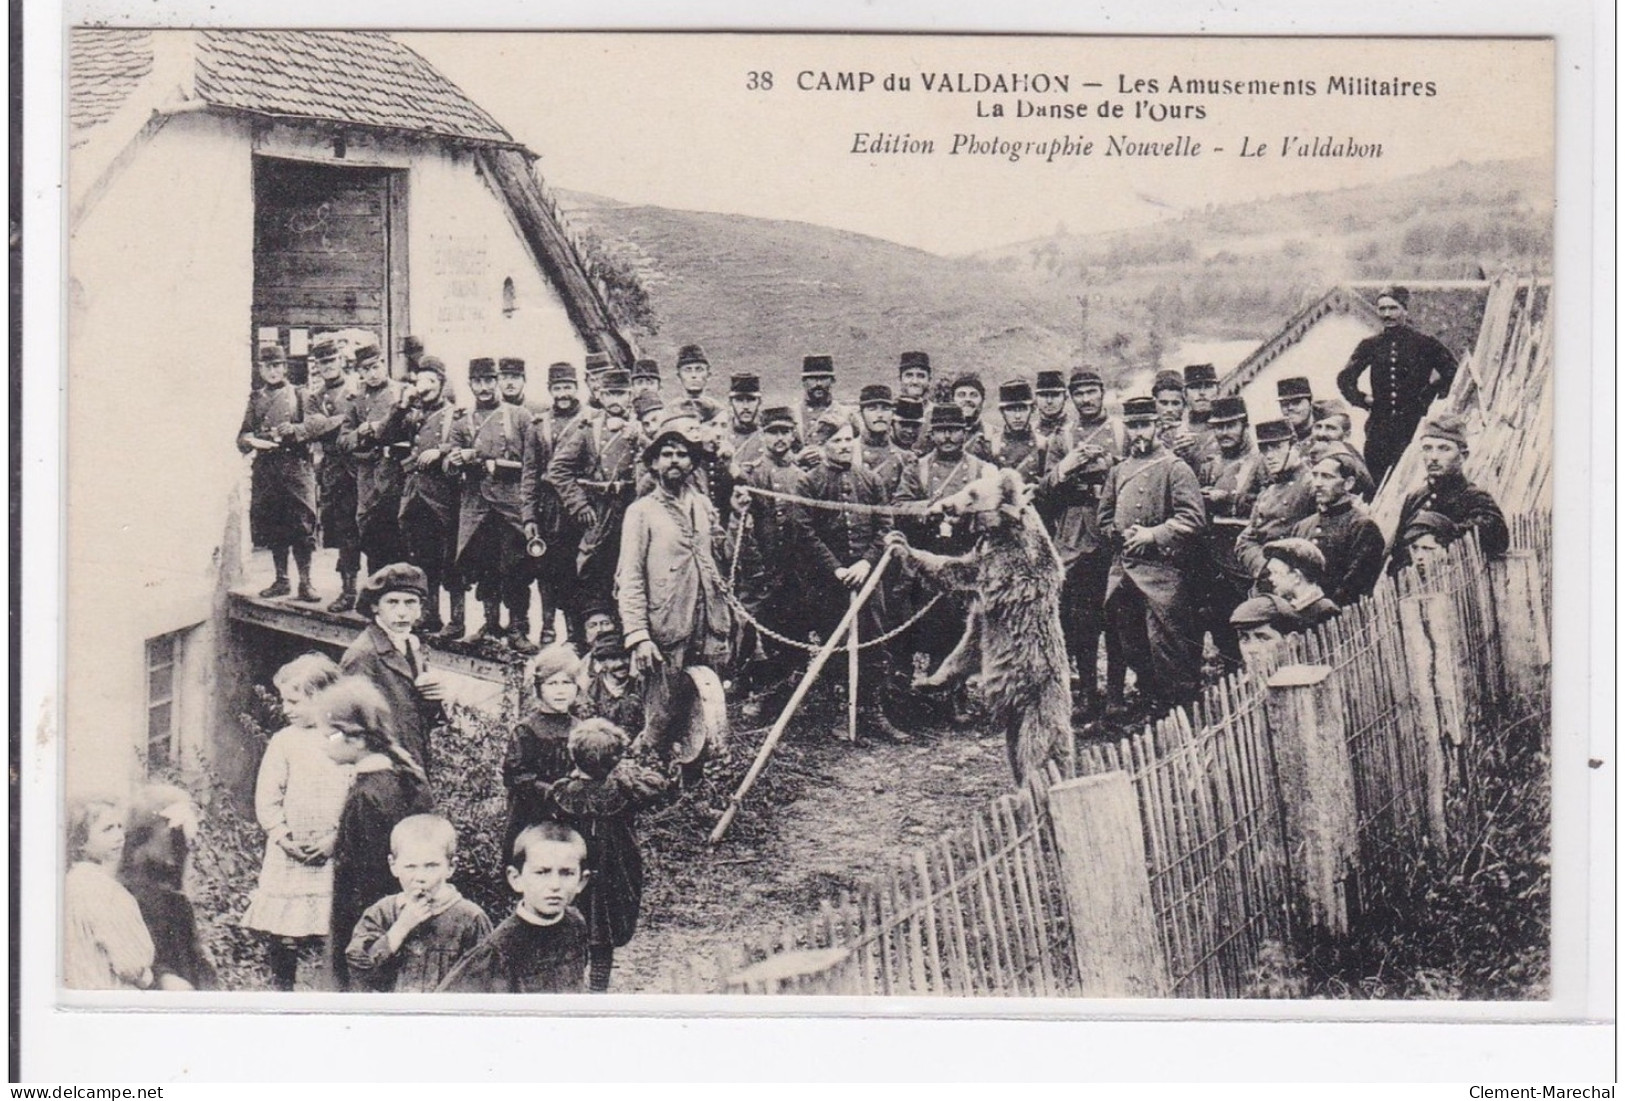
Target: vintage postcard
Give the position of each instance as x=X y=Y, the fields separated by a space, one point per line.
x=942 y=517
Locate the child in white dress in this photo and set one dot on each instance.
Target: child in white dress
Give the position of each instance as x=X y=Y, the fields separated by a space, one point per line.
x=106 y=945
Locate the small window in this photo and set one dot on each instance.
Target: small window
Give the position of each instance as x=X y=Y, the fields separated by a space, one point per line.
x=161 y=655
x=508 y=306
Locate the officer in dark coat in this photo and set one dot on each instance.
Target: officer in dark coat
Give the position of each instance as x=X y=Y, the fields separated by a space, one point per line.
x=762 y=541
x=1228 y=482
x=1408 y=370
x=488 y=454
x=876 y=452
x=1349 y=541
x=1072 y=468
x=282 y=501
x=1017 y=443
x=375 y=434
x=1447 y=506
x=429 y=502
x=331 y=396
x=543 y=514
x=1151 y=511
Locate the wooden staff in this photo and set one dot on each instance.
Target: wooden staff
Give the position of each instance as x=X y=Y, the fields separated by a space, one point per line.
x=852 y=673
x=819 y=660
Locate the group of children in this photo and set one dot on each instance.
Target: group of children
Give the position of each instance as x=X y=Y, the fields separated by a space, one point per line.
x=357 y=859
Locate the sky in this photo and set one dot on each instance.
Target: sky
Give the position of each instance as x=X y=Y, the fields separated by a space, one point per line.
x=672 y=120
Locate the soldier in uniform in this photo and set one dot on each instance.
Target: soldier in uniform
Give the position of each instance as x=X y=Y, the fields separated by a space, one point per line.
x=645 y=377
x=818 y=398
x=1194 y=445
x=1329 y=436
x=876 y=452
x=411 y=352
x=282 y=495
x=594 y=367
x=1228 y=480
x=762 y=542
x=1017 y=443
x=648 y=410
x=908 y=417
x=1447 y=506
x=540 y=510
x=742 y=442
x=487 y=451
x=944 y=471
x=1050 y=393
x=1297 y=407
x=1070 y=472
x=511 y=385
x=1349 y=541
x=1408 y=371
x=329 y=408
x=1283 y=498
x=428 y=516
x=914 y=384
x=1201 y=388
x=838 y=549
x=970 y=395
x=694 y=372
x=594 y=468
x=375 y=434
x=1151 y=512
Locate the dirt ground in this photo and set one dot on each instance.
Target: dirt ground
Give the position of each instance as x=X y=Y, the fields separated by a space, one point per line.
x=825 y=816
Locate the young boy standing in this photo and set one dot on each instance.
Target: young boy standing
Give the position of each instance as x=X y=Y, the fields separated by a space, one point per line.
x=408 y=943
x=541 y=948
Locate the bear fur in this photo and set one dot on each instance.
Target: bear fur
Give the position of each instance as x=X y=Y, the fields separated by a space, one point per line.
x=1015 y=623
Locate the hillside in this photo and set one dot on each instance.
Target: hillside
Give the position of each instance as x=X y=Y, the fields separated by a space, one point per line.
x=759 y=293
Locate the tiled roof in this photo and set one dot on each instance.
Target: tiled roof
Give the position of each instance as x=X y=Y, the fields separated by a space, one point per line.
x=361 y=77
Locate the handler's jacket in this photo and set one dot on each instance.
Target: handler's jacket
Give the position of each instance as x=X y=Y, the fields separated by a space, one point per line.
x=930 y=478
x=1470 y=508
x=496 y=433
x=667 y=571
x=1353 y=546
x=878 y=455
x=1070 y=505
x=832 y=539
x=1282 y=502
x=429 y=488
x=1158 y=491
x=1408 y=370
x=377 y=452
x=539 y=502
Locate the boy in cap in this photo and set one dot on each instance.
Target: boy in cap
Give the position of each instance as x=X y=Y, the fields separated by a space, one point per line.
x=668 y=585
x=282 y=494
x=487 y=452
x=429 y=500
x=694 y=372
x=1069 y=477
x=541 y=512
x=1049 y=392
x=1447 y=506
x=645 y=377
x=1017 y=443
x=1297 y=407
x=876 y=452
x=375 y=435
x=331 y=396
x=388 y=653
x=1284 y=496
x=1294 y=571
x=1408 y=371
x=1151 y=511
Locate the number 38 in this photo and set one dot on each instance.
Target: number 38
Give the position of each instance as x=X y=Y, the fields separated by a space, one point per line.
x=758 y=81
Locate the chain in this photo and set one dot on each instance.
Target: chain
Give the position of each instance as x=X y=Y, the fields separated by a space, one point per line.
x=902 y=508
x=784 y=640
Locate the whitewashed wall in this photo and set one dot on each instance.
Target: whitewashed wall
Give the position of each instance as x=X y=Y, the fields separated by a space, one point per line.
x=1323 y=351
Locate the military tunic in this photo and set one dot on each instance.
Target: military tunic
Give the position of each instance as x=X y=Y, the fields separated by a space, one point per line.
x=1408 y=370
x=490 y=529
x=327 y=411
x=1013 y=450
x=762 y=542
x=282 y=501
x=1465 y=505
x=592 y=452
x=885 y=460
x=375 y=435
x=1352 y=545
x=428 y=516
x=1148 y=591
x=1282 y=501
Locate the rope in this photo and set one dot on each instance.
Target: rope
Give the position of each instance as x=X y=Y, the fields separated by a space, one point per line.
x=740 y=610
x=905 y=508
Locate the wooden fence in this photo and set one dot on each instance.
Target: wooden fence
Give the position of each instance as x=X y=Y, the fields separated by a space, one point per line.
x=1239 y=807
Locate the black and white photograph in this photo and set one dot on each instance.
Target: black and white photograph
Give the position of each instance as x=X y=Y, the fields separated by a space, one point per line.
x=942 y=517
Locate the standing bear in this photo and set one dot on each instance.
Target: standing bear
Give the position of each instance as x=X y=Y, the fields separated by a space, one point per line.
x=1015 y=574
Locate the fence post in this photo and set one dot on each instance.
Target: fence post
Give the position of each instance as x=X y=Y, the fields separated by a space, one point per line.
x=1521 y=616
x=1429 y=629
x=1096 y=820
x=1317 y=791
